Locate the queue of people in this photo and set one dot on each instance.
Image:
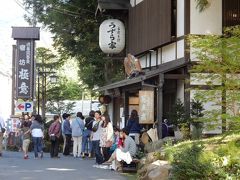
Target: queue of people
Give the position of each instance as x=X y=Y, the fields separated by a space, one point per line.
x=94 y=135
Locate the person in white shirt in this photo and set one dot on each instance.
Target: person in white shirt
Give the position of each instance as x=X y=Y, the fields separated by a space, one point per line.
x=106 y=136
x=37 y=129
x=2 y=125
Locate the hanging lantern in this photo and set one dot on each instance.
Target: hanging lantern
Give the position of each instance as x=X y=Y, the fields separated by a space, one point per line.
x=104 y=99
x=112 y=36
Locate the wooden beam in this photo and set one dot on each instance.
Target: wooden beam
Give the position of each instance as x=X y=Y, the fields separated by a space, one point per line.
x=175 y=76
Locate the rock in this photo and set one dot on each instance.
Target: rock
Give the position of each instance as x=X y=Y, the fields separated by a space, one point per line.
x=178 y=135
x=159 y=173
x=169 y=139
x=150 y=157
x=154 y=146
x=158 y=170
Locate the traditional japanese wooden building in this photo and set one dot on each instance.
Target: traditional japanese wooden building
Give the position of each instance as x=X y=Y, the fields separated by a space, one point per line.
x=156 y=34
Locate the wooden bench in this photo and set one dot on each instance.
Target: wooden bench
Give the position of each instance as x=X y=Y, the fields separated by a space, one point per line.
x=132 y=167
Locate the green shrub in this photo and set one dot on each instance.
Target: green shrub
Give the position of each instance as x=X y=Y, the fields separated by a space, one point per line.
x=189 y=164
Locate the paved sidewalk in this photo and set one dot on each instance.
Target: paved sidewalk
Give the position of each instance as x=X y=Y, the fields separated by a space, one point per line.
x=14 y=167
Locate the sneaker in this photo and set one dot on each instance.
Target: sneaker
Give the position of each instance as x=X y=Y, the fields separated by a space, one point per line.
x=89 y=155
x=41 y=155
x=107 y=163
x=25 y=157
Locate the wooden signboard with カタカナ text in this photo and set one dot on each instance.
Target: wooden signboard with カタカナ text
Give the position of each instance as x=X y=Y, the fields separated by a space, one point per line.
x=146 y=107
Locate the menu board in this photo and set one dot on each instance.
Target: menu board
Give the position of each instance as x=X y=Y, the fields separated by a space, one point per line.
x=146 y=107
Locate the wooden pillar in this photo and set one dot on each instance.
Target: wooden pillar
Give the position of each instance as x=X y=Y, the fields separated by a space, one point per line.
x=126 y=106
x=160 y=104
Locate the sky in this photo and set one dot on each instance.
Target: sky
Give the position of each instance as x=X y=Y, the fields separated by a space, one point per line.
x=11 y=14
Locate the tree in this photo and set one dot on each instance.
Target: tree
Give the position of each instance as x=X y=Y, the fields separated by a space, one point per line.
x=53 y=95
x=219 y=65
x=75 y=30
x=177 y=116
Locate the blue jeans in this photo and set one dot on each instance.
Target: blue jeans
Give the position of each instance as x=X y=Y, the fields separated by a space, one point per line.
x=97 y=151
x=86 y=142
x=37 y=143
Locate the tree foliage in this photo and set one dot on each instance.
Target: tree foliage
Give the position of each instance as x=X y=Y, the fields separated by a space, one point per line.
x=54 y=95
x=219 y=65
x=75 y=29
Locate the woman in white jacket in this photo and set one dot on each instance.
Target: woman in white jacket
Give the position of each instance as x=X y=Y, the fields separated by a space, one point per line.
x=106 y=136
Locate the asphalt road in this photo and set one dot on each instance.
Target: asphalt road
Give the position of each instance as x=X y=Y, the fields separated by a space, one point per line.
x=14 y=167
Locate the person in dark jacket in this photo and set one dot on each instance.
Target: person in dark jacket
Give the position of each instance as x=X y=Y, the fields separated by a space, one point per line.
x=54 y=133
x=86 y=142
x=133 y=126
x=68 y=133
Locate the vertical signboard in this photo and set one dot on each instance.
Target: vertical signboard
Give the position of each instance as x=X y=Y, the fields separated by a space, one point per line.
x=146 y=107
x=24 y=67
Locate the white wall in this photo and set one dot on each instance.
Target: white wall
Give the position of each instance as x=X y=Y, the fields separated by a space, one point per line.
x=159 y=56
x=209 y=106
x=153 y=58
x=169 y=53
x=180 y=90
x=180 y=18
x=143 y=61
x=208 y=21
x=203 y=79
x=180 y=49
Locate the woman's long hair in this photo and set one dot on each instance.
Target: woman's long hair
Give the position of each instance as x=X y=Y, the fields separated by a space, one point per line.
x=134 y=115
x=79 y=114
x=38 y=118
x=107 y=120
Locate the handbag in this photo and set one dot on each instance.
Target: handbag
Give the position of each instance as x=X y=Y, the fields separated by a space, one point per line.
x=52 y=137
x=95 y=127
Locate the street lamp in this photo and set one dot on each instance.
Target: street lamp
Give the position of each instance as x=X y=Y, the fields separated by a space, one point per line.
x=53 y=79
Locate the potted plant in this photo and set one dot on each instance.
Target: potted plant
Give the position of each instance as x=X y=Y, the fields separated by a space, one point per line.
x=195 y=120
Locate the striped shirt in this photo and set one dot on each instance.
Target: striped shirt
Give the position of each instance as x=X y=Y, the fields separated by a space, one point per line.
x=130 y=146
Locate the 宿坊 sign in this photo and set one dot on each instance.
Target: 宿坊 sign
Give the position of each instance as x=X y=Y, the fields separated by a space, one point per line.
x=24 y=107
x=112 y=36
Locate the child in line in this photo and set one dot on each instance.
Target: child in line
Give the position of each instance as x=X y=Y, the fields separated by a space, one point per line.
x=26 y=138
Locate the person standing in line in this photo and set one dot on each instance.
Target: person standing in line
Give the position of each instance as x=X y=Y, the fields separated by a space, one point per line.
x=54 y=133
x=63 y=135
x=96 y=137
x=106 y=136
x=77 y=131
x=86 y=141
x=26 y=138
x=133 y=126
x=37 y=129
x=2 y=126
x=68 y=133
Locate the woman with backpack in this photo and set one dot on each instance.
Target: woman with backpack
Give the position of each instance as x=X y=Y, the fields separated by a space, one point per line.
x=77 y=131
x=86 y=141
